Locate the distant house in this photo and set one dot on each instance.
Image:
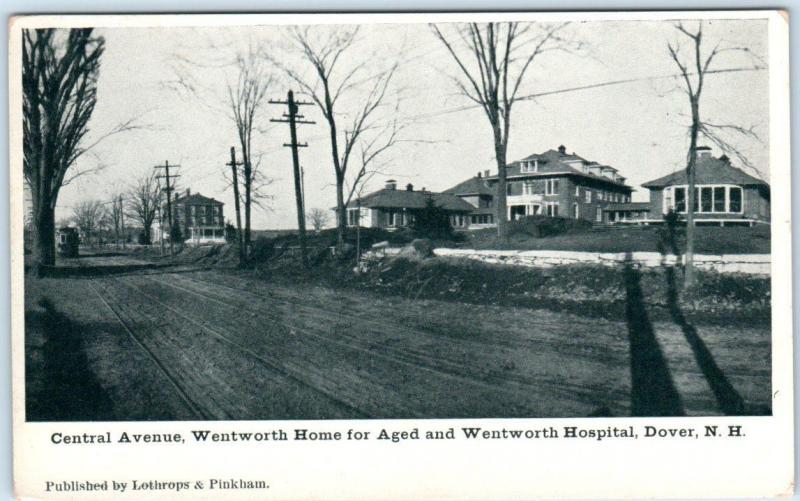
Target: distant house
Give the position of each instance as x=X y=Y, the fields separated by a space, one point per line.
x=200 y=218
x=391 y=208
x=553 y=183
x=724 y=193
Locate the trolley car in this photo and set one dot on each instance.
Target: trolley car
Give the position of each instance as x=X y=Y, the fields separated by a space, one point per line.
x=68 y=241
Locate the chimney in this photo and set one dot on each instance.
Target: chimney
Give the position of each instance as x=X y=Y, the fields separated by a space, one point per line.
x=486 y=173
x=409 y=187
x=479 y=174
x=188 y=192
x=391 y=184
x=725 y=159
x=562 y=149
x=703 y=152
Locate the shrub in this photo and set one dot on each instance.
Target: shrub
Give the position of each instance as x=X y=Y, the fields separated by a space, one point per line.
x=546 y=226
x=432 y=221
x=261 y=249
x=231 y=234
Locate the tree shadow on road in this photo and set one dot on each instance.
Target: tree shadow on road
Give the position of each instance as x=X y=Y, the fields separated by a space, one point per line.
x=653 y=391
x=728 y=399
x=60 y=385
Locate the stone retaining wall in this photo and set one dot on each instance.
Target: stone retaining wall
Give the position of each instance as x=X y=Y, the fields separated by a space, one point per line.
x=752 y=264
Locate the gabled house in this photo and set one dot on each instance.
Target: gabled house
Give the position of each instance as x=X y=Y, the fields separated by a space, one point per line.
x=724 y=194
x=391 y=208
x=552 y=183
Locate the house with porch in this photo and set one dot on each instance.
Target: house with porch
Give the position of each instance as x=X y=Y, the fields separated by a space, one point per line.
x=552 y=183
x=391 y=208
x=724 y=194
x=200 y=219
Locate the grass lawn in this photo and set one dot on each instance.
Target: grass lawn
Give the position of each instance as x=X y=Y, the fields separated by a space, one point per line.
x=709 y=240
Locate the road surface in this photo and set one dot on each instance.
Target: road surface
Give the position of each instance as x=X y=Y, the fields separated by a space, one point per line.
x=119 y=339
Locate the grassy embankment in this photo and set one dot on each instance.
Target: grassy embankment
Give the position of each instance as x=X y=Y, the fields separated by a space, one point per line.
x=586 y=289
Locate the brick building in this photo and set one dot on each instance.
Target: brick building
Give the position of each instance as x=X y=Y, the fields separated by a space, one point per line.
x=200 y=218
x=553 y=183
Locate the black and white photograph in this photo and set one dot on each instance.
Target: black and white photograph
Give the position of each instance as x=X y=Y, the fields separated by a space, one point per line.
x=346 y=239
x=397 y=221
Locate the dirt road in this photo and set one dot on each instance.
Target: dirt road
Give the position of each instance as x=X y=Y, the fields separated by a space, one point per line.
x=119 y=339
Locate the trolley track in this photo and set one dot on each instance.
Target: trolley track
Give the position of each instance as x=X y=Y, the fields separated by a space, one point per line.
x=437 y=366
x=182 y=394
x=294 y=374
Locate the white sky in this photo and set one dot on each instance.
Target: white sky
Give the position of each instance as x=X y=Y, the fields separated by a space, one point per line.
x=639 y=128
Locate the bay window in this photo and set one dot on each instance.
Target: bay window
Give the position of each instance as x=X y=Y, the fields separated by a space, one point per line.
x=708 y=199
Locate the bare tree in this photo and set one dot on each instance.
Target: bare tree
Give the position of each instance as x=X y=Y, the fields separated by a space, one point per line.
x=694 y=71
x=246 y=98
x=59 y=86
x=493 y=60
x=59 y=82
x=143 y=202
x=117 y=216
x=89 y=217
x=354 y=128
x=318 y=218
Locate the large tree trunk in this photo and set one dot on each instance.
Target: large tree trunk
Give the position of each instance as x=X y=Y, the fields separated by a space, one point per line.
x=688 y=276
x=500 y=154
x=248 y=183
x=44 y=238
x=341 y=212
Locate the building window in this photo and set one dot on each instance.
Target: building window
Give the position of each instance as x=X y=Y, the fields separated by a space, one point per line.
x=588 y=196
x=551 y=186
x=680 y=199
x=719 y=199
x=708 y=199
x=576 y=211
x=529 y=166
x=552 y=209
x=735 y=199
x=529 y=187
x=392 y=218
x=458 y=220
x=577 y=191
x=353 y=217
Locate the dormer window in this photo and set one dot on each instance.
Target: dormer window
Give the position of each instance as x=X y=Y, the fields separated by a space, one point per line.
x=529 y=166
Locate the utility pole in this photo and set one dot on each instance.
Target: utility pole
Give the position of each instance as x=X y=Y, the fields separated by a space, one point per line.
x=303 y=185
x=235 y=175
x=160 y=227
x=168 y=190
x=293 y=118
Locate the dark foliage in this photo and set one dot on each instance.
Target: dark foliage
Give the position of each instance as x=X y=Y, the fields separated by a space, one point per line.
x=231 y=235
x=432 y=221
x=176 y=234
x=546 y=226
